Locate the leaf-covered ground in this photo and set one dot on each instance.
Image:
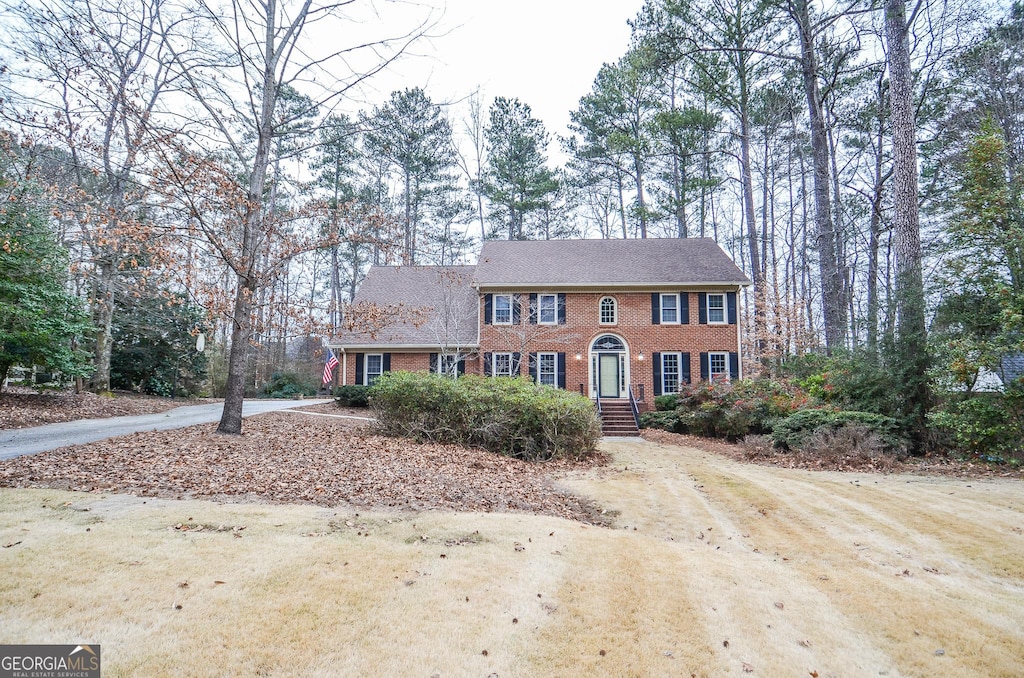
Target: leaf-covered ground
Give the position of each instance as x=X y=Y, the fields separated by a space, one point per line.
x=22 y=407
x=293 y=457
x=840 y=460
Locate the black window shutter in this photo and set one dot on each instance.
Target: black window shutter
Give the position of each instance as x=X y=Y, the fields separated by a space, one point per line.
x=517 y=359
x=516 y=311
x=462 y=366
x=731 y=302
x=533 y=366
x=533 y=308
x=734 y=366
x=684 y=308
x=385 y=363
x=561 y=370
x=655 y=308
x=684 y=368
x=704 y=366
x=702 y=302
x=360 y=360
x=487 y=364
x=656 y=364
x=561 y=310
x=433 y=362
x=488 y=308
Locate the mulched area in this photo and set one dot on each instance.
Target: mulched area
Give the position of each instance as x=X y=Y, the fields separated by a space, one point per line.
x=22 y=407
x=933 y=464
x=290 y=457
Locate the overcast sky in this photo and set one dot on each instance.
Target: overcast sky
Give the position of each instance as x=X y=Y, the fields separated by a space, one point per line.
x=544 y=52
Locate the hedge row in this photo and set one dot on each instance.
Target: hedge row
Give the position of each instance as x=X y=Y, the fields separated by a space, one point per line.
x=514 y=417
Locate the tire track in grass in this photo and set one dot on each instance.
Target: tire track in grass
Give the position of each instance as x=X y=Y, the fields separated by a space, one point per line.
x=913 y=616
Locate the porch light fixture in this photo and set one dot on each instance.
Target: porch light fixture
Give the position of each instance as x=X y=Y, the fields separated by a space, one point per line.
x=641 y=356
x=579 y=356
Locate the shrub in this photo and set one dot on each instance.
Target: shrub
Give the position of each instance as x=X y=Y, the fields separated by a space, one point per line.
x=352 y=395
x=514 y=417
x=854 y=382
x=795 y=430
x=287 y=385
x=727 y=410
x=988 y=426
x=850 y=443
x=666 y=403
x=667 y=421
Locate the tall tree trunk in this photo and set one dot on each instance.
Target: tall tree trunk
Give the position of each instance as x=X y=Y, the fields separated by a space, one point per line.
x=640 y=200
x=911 y=350
x=876 y=226
x=104 y=319
x=830 y=276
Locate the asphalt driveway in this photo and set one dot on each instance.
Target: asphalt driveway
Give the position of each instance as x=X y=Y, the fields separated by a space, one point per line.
x=16 y=442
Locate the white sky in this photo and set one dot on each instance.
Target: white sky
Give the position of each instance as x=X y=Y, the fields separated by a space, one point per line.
x=546 y=53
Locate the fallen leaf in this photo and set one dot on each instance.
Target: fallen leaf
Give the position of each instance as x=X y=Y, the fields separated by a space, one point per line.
x=780 y=606
x=747 y=668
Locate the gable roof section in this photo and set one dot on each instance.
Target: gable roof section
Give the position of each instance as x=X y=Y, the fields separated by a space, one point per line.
x=620 y=263
x=445 y=293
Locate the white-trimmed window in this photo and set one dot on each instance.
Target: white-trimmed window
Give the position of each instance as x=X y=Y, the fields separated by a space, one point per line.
x=547 y=369
x=547 y=309
x=502 y=309
x=448 y=365
x=670 y=363
x=670 y=309
x=501 y=365
x=609 y=311
x=716 y=309
x=718 y=367
x=374 y=368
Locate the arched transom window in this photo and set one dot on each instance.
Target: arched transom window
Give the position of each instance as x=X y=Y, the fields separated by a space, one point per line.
x=609 y=311
x=607 y=342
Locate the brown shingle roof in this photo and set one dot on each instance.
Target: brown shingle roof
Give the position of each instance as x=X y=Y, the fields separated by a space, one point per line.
x=652 y=261
x=448 y=302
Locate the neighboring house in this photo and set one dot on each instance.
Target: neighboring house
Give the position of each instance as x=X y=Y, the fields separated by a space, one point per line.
x=599 y=316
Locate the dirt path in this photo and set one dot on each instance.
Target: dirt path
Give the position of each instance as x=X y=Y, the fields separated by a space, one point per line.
x=712 y=567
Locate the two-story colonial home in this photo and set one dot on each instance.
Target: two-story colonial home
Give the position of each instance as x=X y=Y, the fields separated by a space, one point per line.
x=613 y=319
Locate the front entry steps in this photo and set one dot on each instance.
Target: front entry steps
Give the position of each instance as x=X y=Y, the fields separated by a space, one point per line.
x=617 y=418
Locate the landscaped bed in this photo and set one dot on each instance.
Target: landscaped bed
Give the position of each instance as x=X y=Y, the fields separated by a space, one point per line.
x=293 y=457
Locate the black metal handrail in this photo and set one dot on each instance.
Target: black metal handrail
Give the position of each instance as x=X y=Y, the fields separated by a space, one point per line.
x=597 y=395
x=634 y=407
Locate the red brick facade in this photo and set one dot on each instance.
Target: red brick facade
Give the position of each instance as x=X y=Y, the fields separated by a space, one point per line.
x=634 y=327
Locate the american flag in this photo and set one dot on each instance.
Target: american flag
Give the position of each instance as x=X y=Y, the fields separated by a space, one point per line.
x=329 y=366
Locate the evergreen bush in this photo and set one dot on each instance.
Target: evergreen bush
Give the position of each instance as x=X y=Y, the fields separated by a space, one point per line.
x=288 y=385
x=795 y=430
x=514 y=417
x=986 y=426
x=352 y=395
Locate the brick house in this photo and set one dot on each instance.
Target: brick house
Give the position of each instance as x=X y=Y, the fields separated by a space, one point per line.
x=604 y=317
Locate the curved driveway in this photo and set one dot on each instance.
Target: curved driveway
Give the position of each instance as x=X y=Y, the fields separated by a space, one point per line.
x=16 y=442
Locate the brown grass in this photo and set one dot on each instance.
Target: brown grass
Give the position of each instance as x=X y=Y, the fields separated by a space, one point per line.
x=711 y=567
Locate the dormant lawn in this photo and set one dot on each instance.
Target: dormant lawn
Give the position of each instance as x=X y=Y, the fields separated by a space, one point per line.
x=708 y=567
